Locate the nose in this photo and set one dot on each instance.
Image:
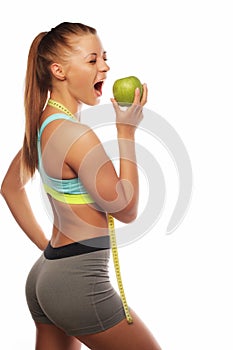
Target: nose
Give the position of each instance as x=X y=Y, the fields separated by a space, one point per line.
x=103 y=67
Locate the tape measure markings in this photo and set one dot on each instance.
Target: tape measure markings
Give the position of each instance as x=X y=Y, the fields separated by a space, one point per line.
x=112 y=234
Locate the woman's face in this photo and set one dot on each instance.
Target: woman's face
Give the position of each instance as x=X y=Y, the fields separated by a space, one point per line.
x=86 y=70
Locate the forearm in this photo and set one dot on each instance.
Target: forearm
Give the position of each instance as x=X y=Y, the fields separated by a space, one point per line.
x=129 y=172
x=14 y=193
x=21 y=210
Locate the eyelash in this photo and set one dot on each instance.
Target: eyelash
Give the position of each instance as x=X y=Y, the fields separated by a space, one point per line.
x=94 y=61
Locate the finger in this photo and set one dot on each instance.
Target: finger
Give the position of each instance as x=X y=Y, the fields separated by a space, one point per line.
x=144 y=95
x=115 y=104
x=137 y=96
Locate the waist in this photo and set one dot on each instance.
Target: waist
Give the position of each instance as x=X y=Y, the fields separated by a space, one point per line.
x=77 y=248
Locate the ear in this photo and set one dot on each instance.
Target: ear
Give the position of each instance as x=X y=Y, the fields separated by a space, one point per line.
x=57 y=71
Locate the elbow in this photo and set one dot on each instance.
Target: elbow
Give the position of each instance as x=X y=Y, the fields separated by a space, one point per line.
x=130 y=213
x=11 y=185
x=3 y=189
x=6 y=189
x=4 y=192
x=126 y=216
x=129 y=217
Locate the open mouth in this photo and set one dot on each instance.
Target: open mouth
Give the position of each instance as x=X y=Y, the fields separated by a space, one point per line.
x=98 y=87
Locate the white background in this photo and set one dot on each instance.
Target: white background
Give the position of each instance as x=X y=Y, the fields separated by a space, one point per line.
x=179 y=284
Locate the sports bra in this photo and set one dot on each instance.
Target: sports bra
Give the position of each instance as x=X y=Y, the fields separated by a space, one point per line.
x=69 y=191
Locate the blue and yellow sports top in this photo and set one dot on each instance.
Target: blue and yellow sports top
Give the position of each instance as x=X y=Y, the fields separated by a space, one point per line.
x=69 y=191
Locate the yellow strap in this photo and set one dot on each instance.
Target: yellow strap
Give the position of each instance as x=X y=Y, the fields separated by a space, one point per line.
x=117 y=268
x=83 y=198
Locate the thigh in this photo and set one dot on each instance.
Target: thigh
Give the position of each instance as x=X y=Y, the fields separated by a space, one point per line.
x=123 y=336
x=50 y=337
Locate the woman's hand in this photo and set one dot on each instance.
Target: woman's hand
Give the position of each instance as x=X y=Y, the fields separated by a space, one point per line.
x=128 y=120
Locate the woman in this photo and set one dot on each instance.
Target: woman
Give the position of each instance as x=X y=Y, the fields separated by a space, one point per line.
x=68 y=291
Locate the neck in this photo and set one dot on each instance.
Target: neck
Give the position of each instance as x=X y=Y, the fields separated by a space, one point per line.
x=70 y=108
x=66 y=100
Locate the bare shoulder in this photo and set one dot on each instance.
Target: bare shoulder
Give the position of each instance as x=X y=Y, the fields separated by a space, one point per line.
x=82 y=141
x=68 y=133
x=75 y=128
x=81 y=135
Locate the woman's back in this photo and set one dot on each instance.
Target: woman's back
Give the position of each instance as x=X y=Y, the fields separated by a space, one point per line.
x=76 y=216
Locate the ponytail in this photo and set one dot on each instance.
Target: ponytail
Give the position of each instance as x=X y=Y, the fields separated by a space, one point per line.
x=35 y=97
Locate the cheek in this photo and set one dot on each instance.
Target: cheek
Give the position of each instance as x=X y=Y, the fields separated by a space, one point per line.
x=76 y=85
x=81 y=79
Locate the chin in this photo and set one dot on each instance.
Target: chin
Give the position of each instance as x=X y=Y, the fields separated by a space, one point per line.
x=91 y=101
x=94 y=103
x=97 y=102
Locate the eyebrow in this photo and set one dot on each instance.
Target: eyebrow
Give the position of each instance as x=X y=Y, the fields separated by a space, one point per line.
x=95 y=54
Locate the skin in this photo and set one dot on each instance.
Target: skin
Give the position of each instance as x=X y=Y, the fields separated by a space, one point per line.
x=73 y=84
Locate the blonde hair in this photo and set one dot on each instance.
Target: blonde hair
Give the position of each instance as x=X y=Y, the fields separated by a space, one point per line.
x=46 y=48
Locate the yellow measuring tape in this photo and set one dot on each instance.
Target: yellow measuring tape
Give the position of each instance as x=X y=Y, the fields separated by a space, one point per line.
x=112 y=234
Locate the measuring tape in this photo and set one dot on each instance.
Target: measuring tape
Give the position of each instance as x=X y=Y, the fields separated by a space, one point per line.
x=112 y=234
x=60 y=106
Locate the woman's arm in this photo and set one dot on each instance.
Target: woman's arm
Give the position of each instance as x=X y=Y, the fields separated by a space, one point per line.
x=127 y=123
x=13 y=191
x=115 y=194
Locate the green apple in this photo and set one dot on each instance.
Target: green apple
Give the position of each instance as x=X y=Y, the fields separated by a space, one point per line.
x=124 y=89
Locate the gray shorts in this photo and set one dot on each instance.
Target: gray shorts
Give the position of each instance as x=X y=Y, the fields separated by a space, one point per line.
x=70 y=288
